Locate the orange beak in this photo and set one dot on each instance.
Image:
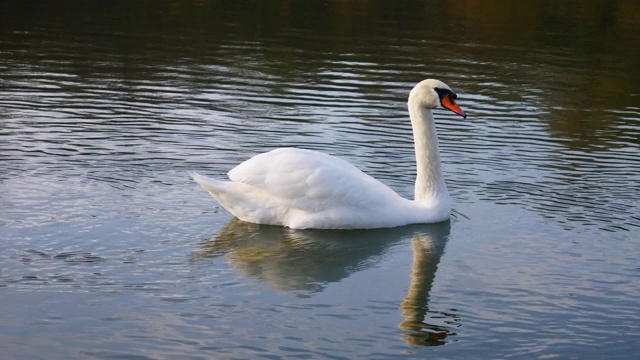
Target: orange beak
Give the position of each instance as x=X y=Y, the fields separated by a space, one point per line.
x=449 y=103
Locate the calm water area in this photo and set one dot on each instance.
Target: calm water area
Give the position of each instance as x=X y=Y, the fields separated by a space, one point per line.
x=108 y=250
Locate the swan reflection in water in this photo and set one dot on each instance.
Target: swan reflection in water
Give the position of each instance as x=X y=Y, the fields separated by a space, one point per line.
x=308 y=260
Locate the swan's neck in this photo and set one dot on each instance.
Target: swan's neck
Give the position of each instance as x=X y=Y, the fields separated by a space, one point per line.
x=430 y=186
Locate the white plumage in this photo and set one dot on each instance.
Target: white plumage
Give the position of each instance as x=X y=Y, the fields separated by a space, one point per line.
x=305 y=189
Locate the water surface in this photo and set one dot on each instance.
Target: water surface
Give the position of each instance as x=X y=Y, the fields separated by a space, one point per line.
x=109 y=250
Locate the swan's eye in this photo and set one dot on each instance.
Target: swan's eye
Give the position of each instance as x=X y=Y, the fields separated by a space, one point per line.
x=442 y=93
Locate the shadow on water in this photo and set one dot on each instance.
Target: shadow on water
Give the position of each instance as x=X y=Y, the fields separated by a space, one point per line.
x=309 y=260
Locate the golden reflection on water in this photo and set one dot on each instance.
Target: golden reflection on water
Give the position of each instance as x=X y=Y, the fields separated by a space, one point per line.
x=414 y=307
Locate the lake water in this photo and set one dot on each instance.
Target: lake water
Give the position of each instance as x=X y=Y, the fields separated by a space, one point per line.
x=109 y=250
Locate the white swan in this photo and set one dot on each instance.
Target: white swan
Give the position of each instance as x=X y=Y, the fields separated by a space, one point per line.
x=305 y=189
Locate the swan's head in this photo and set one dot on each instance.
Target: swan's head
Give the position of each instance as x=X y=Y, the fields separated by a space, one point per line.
x=432 y=93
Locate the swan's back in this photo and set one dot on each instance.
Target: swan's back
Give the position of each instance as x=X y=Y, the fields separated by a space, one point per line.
x=306 y=189
x=310 y=180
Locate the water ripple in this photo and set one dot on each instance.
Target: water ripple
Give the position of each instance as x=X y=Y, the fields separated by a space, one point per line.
x=184 y=112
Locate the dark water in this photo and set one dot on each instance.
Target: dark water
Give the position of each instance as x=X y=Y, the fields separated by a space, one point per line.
x=108 y=250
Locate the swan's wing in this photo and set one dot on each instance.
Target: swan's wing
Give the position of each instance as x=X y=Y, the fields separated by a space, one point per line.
x=311 y=180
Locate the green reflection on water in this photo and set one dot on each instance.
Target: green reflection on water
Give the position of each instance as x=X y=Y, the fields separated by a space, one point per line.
x=599 y=38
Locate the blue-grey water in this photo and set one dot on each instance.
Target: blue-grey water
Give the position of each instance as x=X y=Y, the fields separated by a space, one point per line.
x=108 y=250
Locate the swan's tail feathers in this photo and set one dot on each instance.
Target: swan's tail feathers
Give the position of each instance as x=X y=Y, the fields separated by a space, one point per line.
x=211 y=185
